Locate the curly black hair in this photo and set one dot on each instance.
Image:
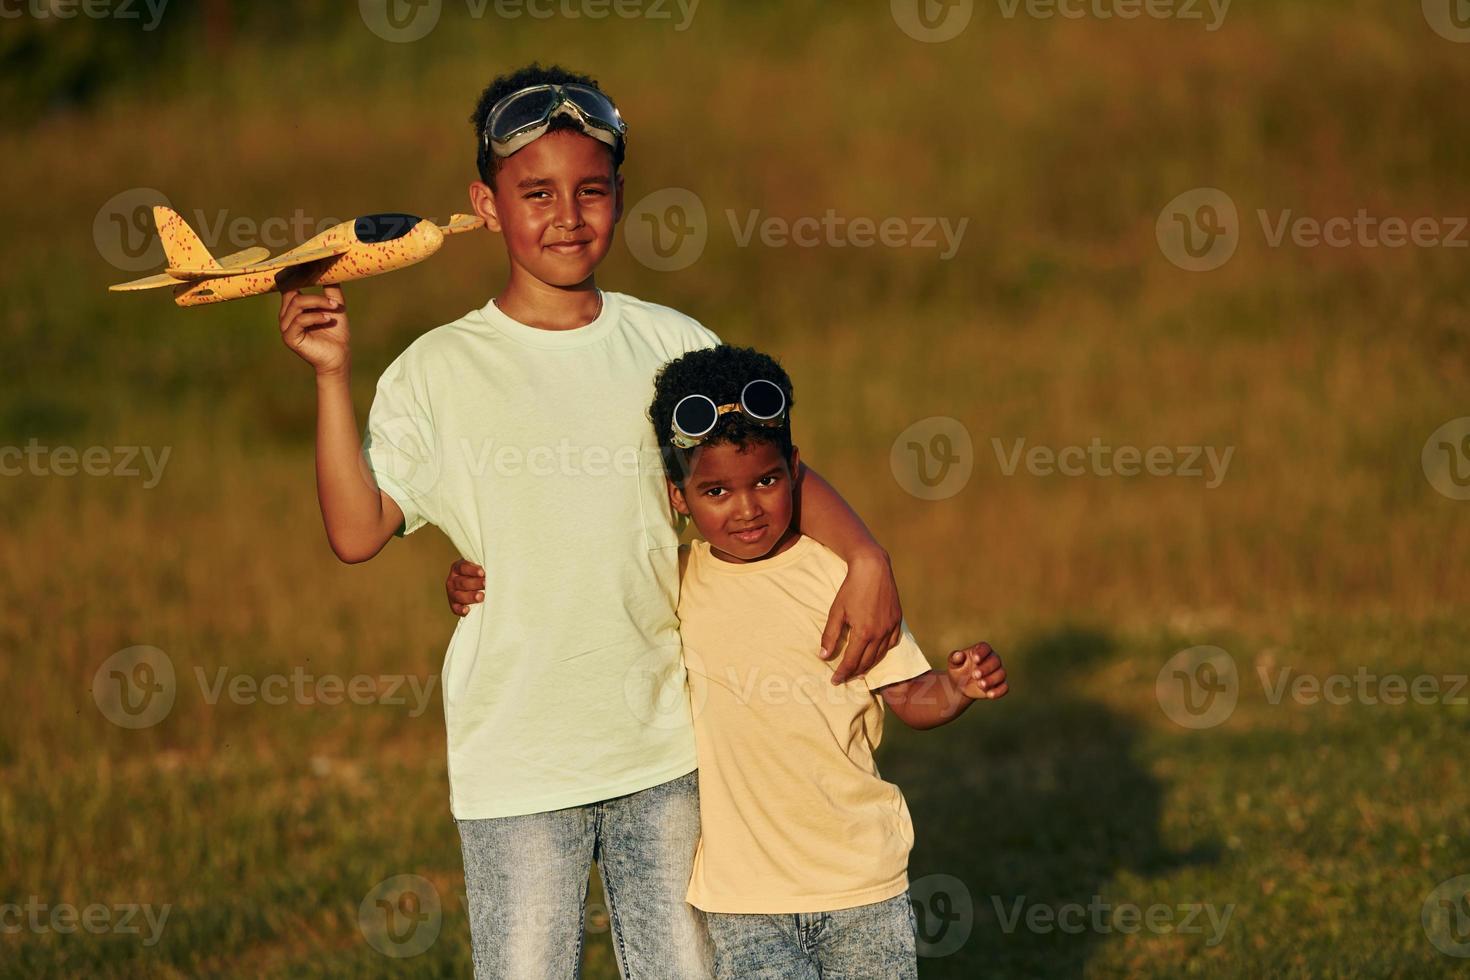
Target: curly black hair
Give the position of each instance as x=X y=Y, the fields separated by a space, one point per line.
x=721 y=373
x=533 y=74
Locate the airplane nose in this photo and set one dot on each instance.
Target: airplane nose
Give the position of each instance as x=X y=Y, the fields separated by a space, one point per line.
x=428 y=233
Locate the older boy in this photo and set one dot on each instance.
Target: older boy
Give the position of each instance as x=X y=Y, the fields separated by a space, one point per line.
x=518 y=430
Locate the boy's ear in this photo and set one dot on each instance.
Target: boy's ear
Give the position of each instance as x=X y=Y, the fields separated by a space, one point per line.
x=482 y=200
x=618 y=199
x=795 y=464
x=676 y=497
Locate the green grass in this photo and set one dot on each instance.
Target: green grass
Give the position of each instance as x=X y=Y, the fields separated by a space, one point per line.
x=1324 y=827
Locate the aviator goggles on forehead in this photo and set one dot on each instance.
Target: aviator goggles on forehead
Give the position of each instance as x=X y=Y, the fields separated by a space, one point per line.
x=525 y=115
x=695 y=416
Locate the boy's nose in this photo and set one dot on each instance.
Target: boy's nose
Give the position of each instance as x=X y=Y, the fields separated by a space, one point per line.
x=568 y=215
x=749 y=508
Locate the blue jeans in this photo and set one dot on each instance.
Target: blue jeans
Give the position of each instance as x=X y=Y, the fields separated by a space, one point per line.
x=526 y=879
x=870 y=942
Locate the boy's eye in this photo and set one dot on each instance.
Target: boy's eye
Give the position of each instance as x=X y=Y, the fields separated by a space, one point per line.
x=767 y=480
x=714 y=490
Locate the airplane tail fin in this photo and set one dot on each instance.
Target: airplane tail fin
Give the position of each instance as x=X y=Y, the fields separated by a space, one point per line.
x=182 y=247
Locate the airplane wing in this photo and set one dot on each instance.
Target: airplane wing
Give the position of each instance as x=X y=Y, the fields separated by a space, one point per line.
x=245 y=256
x=147 y=282
x=461 y=222
x=282 y=261
x=230 y=263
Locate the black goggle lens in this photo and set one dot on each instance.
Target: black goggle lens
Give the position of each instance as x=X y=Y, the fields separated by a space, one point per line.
x=525 y=111
x=695 y=416
x=763 y=399
x=594 y=104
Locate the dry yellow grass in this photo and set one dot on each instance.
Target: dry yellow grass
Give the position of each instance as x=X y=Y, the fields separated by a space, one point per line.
x=1059 y=321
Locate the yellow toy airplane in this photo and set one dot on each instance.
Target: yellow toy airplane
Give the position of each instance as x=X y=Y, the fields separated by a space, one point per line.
x=366 y=246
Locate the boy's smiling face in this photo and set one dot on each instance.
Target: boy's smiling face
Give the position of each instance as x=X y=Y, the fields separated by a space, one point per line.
x=556 y=202
x=740 y=501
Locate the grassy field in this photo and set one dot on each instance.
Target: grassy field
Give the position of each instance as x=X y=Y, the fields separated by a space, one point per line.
x=1324 y=550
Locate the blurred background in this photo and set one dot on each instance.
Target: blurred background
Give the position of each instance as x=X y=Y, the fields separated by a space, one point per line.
x=1134 y=331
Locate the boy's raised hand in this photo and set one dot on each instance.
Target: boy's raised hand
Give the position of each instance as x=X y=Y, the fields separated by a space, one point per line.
x=978 y=672
x=464 y=586
x=315 y=327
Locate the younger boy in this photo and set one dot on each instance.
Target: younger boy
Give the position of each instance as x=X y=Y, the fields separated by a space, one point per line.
x=803 y=853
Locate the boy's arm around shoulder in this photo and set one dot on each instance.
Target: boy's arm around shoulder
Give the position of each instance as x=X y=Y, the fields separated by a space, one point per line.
x=938 y=697
x=867 y=604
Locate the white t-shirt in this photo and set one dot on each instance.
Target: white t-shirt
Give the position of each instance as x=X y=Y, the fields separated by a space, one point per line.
x=532 y=450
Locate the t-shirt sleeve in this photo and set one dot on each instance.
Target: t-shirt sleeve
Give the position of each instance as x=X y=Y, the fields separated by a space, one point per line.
x=703 y=337
x=400 y=445
x=904 y=662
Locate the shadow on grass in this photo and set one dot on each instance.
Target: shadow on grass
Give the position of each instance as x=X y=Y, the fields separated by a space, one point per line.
x=1034 y=801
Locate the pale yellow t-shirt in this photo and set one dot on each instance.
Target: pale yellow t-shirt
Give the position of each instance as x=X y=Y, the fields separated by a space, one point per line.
x=794 y=815
x=532 y=450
